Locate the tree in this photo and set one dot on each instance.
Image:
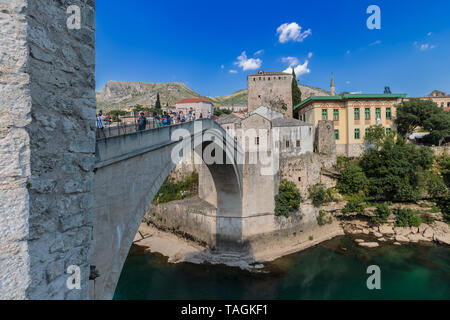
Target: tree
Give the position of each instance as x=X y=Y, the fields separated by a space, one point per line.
x=351 y=179
x=375 y=135
x=296 y=93
x=116 y=114
x=288 y=199
x=393 y=171
x=418 y=113
x=158 y=102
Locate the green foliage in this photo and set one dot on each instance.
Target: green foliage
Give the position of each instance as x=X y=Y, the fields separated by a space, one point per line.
x=296 y=93
x=375 y=135
x=219 y=112
x=351 y=179
x=158 y=102
x=342 y=161
x=317 y=194
x=171 y=191
x=353 y=206
x=115 y=114
x=417 y=113
x=433 y=184
x=444 y=168
x=323 y=219
x=393 y=170
x=382 y=214
x=288 y=199
x=407 y=218
x=444 y=205
x=427 y=218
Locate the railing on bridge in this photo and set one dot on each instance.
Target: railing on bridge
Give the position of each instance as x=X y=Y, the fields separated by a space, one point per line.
x=121 y=128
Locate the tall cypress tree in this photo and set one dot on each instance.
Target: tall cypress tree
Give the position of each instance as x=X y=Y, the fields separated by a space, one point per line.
x=296 y=93
x=158 y=102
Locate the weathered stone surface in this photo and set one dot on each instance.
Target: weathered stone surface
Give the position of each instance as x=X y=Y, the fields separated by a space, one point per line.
x=385 y=229
x=400 y=238
x=369 y=244
x=40 y=88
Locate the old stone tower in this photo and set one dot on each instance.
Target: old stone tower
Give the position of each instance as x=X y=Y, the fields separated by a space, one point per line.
x=271 y=89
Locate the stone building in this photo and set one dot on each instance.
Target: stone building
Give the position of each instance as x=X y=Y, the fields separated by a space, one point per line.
x=440 y=98
x=352 y=115
x=198 y=105
x=272 y=89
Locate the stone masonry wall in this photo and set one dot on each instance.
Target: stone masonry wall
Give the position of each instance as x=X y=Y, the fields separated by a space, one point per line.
x=47 y=146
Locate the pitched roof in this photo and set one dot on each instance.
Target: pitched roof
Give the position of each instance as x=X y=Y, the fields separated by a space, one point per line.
x=194 y=100
x=289 y=122
x=267 y=113
x=350 y=96
x=229 y=118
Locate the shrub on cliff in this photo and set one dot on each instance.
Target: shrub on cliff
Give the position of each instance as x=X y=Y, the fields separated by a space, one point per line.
x=382 y=214
x=288 y=199
x=171 y=191
x=444 y=205
x=322 y=218
x=353 y=206
x=407 y=218
x=351 y=179
x=317 y=194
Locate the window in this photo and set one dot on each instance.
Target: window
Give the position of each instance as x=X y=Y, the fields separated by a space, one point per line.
x=356 y=113
x=257 y=141
x=367 y=131
x=378 y=113
x=367 y=113
x=324 y=114
x=448 y=105
x=336 y=134
x=268 y=79
x=336 y=114
x=388 y=131
x=388 y=113
x=299 y=179
x=298 y=143
x=357 y=134
x=288 y=143
x=254 y=79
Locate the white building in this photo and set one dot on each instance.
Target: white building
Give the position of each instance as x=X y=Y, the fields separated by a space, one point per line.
x=264 y=129
x=200 y=106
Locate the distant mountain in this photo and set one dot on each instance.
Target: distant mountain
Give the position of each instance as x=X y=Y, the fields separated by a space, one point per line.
x=119 y=95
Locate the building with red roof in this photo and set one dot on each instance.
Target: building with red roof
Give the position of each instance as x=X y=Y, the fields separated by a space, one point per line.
x=200 y=106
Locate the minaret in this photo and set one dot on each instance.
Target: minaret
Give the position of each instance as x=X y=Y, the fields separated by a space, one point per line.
x=333 y=88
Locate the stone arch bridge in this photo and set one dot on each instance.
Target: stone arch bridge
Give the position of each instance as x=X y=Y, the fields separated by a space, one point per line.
x=129 y=171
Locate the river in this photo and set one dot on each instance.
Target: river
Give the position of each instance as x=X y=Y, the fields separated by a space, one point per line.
x=335 y=269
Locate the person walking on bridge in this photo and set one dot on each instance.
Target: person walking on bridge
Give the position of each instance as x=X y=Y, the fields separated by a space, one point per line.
x=99 y=125
x=142 y=122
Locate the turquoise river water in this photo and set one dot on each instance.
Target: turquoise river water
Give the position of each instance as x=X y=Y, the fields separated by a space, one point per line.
x=336 y=269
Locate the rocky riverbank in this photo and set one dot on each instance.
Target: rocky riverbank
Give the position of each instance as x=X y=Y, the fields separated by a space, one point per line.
x=185 y=247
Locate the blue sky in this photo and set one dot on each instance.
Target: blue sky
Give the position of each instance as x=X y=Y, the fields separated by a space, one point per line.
x=199 y=42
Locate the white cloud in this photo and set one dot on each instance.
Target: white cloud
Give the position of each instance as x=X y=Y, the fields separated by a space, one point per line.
x=259 y=52
x=347 y=82
x=348 y=51
x=222 y=67
x=248 y=64
x=375 y=43
x=426 y=46
x=430 y=34
x=292 y=61
x=300 y=70
x=292 y=32
x=310 y=55
x=233 y=71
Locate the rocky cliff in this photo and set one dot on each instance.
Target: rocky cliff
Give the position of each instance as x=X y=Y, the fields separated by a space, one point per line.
x=120 y=94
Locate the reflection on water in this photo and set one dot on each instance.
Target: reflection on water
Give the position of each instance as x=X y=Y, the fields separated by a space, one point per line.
x=335 y=269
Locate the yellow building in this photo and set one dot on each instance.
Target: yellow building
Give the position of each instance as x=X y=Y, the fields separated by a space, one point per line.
x=352 y=114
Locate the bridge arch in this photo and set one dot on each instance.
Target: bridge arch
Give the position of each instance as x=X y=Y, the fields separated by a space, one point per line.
x=130 y=170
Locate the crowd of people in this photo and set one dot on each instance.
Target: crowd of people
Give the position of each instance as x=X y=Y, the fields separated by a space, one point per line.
x=155 y=120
